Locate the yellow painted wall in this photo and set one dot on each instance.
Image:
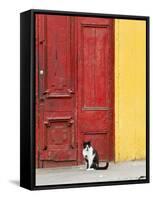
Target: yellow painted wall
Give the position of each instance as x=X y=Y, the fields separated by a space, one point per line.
x=130 y=77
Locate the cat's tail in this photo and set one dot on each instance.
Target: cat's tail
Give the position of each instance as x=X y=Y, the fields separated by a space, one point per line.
x=102 y=168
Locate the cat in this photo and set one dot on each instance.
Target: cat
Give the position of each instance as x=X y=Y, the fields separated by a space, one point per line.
x=91 y=157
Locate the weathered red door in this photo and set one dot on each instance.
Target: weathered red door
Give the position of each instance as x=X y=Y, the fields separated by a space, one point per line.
x=57 y=134
x=74 y=88
x=95 y=84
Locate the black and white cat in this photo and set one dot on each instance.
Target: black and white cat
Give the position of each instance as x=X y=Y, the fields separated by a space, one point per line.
x=91 y=157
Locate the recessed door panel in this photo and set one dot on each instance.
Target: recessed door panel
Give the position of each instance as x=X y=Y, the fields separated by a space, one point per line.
x=95 y=61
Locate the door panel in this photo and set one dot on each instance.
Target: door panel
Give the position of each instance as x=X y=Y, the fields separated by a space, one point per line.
x=57 y=139
x=95 y=59
x=58 y=78
x=95 y=84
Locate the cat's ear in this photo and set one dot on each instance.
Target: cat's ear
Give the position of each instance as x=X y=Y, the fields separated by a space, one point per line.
x=84 y=144
x=89 y=143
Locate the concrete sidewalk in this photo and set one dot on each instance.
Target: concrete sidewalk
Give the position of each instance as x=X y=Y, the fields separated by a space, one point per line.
x=130 y=170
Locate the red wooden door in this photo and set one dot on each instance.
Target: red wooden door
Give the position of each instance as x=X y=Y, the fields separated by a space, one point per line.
x=56 y=128
x=95 y=85
x=74 y=88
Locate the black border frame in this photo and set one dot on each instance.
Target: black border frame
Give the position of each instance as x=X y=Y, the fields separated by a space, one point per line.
x=27 y=100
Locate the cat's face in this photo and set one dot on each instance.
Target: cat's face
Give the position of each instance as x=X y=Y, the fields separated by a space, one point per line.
x=86 y=145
